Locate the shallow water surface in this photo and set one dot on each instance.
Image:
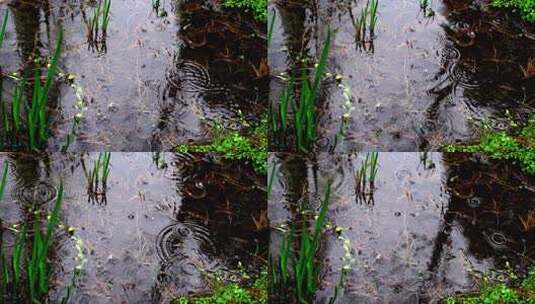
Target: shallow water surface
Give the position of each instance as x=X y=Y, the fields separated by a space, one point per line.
x=427 y=78
x=167 y=225
x=158 y=78
x=433 y=226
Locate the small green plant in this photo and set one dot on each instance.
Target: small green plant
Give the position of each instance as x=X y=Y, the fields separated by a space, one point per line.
x=3 y=29
x=365 y=177
x=526 y=7
x=518 y=146
x=498 y=292
x=35 y=281
x=235 y=146
x=257 y=7
x=303 y=106
x=294 y=276
x=98 y=175
x=232 y=294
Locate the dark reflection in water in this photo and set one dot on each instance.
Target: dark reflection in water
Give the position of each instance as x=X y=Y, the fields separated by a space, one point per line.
x=438 y=222
x=482 y=59
x=166 y=230
x=429 y=80
x=218 y=208
x=218 y=71
x=493 y=203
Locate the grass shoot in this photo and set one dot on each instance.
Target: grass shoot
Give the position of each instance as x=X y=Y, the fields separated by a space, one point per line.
x=97 y=177
x=365 y=24
x=365 y=177
x=98 y=23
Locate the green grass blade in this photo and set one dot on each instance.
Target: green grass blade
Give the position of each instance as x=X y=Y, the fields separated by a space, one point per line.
x=17 y=256
x=271 y=179
x=322 y=64
x=320 y=221
x=270 y=28
x=18 y=96
x=54 y=217
x=5 y=119
x=106 y=15
x=51 y=74
x=4 y=180
x=3 y=29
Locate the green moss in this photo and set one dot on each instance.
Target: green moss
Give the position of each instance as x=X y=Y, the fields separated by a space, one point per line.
x=257 y=7
x=526 y=7
x=518 y=146
x=235 y=146
x=500 y=293
x=232 y=294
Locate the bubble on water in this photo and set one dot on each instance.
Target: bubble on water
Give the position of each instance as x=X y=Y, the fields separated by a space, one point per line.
x=474 y=202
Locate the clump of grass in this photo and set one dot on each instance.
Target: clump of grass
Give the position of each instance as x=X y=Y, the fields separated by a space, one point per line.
x=517 y=146
x=232 y=294
x=35 y=281
x=235 y=146
x=97 y=177
x=3 y=29
x=36 y=123
x=303 y=106
x=526 y=7
x=365 y=177
x=499 y=292
x=294 y=276
x=98 y=23
x=257 y=7
x=365 y=24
